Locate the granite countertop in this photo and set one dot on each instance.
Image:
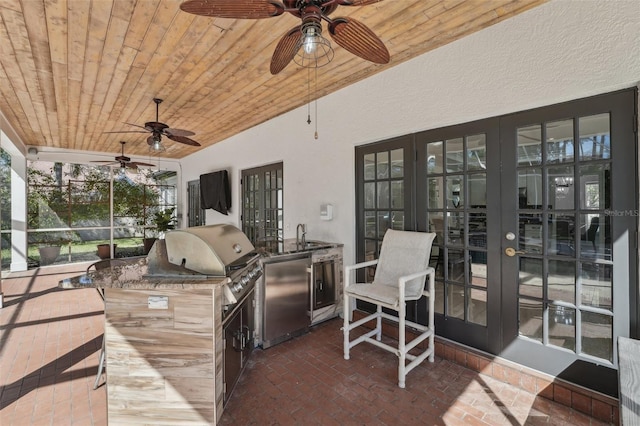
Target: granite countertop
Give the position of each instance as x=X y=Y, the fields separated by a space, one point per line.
x=289 y=246
x=133 y=274
x=136 y=273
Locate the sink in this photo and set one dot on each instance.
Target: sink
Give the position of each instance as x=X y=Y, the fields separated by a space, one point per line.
x=291 y=247
x=313 y=245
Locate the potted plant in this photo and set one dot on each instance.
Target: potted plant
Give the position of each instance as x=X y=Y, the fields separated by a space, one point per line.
x=43 y=219
x=49 y=253
x=50 y=243
x=149 y=234
x=147 y=243
x=163 y=221
x=104 y=251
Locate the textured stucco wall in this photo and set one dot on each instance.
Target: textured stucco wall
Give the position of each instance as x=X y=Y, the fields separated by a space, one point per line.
x=559 y=51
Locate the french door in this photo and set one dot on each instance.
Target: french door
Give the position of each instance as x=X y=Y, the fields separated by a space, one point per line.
x=568 y=234
x=384 y=172
x=536 y=220
x=195 y=213
x=263 y=205
x=457 y=197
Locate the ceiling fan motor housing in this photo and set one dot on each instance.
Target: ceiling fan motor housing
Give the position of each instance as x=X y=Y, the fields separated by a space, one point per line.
x=323 y=6
x=155 y=126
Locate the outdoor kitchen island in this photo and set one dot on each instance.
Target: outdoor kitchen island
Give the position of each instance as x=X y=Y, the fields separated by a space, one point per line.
x=165 y=337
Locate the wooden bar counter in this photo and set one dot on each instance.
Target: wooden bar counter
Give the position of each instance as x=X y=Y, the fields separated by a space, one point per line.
x=164 y=344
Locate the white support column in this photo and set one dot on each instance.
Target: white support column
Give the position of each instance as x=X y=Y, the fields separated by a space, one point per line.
x=18 y=203
x=18 y=213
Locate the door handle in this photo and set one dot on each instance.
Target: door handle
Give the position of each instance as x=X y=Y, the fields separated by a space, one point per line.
x=238 y=337
x=510 y=251
x=246 y=338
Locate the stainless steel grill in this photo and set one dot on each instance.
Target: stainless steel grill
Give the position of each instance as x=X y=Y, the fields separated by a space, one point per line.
x=209 y=252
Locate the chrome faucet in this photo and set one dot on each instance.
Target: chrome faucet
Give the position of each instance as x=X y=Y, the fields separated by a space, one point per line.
x=301 y=242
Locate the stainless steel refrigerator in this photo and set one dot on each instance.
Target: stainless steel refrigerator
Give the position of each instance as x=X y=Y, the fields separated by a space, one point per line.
x=286 y=298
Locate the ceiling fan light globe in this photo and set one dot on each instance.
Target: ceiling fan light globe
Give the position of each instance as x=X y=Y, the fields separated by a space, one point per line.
x=310 y=45
x=313 y=50
x=310 y=40
x=317 y=57
x=157 y=146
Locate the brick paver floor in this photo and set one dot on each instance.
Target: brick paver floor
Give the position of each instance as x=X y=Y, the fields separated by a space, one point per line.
x=51 y=339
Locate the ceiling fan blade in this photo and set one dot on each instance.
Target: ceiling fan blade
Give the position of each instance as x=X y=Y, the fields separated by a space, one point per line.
x=358 y=39
x=357 y=2
x=135 y=125
x=285 y=50
x=184 y=140
x=235 y=9
x=128 y=131
x=137 y=163
x=106 y=162
x=178 y=132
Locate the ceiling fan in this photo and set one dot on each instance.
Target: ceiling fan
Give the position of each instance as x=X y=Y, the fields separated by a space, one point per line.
x=158 y=129
x=348 y=33
x=124 y=161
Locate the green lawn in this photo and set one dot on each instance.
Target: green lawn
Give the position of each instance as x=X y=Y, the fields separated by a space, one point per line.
x=79 y=252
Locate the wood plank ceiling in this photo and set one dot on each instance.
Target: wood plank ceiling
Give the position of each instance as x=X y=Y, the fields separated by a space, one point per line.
x=71 y=70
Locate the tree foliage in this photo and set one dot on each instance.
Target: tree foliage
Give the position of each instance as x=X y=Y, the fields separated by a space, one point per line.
x=74 y=195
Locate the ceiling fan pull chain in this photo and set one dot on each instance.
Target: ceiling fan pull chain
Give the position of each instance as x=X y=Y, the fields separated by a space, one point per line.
x=308 y=95
x=315 y=89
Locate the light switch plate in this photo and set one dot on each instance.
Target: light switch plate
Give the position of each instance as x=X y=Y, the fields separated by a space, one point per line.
x=326 y=211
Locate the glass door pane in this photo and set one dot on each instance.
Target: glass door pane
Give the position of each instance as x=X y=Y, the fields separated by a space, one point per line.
x=456 y=211
x=554 y=234
x=568 y=229
x=384 y=179
x=263 y=206
x=456 y=168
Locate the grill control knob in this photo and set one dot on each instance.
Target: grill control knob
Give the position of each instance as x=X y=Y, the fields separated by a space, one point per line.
x=244 y=280
x=256 y=271
x=237 y=287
